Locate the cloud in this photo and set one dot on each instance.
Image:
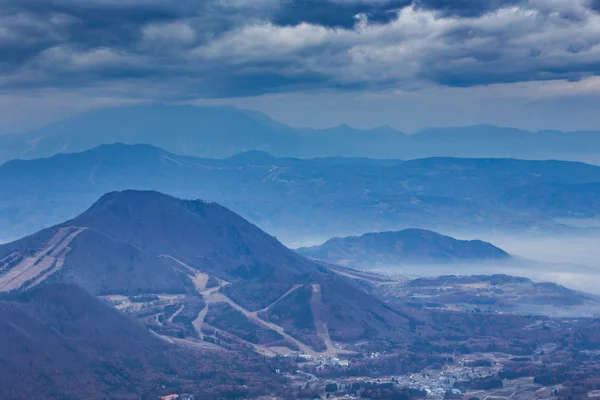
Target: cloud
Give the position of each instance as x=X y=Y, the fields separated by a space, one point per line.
x=230 y=48
x=171 y=32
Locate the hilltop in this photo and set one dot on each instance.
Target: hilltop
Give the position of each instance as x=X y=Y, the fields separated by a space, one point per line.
x=410 y=246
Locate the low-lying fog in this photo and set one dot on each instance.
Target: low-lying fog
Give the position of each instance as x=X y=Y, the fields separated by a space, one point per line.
x=570 y=261
x=576 y=277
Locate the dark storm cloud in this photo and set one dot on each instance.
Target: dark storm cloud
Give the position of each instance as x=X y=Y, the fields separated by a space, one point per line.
x=466 y=8
x=342 y=13
x=336 y=14
x=226 y=48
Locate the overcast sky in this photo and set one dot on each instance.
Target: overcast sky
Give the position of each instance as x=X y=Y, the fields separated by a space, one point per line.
x=530 y=63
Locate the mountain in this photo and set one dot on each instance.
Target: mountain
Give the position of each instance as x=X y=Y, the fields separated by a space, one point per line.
x=60 y=342
x=135 y=247
x=224 y=131
x=120 y=245
x=411 y=246
x=294 y=199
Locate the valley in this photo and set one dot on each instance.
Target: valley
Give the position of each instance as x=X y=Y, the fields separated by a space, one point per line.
x=157 y=310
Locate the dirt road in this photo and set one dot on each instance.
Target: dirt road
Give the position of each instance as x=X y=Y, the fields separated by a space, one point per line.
x=199 y=278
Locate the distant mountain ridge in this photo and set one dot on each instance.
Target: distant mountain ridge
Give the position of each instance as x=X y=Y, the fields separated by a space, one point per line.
x=410 y=246
x=298 y=198
x=224 y=131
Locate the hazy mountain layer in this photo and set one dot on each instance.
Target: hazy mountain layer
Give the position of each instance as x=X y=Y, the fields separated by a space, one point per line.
x=293 y=198
x=222 y=132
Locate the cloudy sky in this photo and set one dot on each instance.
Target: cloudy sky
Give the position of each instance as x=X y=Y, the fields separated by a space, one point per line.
x=525 y=63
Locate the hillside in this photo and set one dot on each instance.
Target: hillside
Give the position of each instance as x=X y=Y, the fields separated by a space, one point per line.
x=225 y=131
x=293 y=199
x=64 y=343
x=411 y=246
x=170 y=262
x=562 y=200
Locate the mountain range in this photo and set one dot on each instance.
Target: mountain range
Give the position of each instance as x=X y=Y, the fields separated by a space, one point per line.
x=223 y=131
x=410 y=246
x=306 y=199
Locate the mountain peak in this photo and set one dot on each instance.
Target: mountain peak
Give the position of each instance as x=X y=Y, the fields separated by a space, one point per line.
x=124 y=204
x=201 y=234
x=130 y=195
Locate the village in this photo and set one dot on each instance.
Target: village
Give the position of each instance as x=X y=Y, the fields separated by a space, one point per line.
x=449 y=382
